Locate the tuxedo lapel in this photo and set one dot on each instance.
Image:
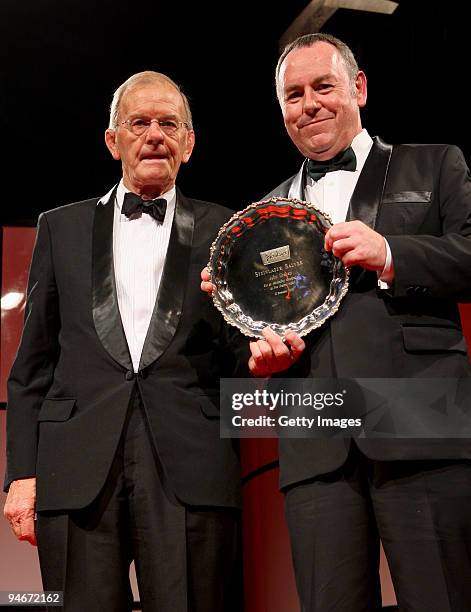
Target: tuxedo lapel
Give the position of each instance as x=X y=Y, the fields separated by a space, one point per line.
x=169 y=303
x=367 y=197
x=106 y=315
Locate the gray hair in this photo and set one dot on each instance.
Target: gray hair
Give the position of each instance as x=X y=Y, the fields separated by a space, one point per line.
x=311 y=39
x=143 y=78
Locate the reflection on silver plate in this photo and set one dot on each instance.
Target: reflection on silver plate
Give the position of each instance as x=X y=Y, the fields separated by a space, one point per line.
x=269 y=267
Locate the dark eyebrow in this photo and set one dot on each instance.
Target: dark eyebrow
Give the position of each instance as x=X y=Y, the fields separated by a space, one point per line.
x=323 y=77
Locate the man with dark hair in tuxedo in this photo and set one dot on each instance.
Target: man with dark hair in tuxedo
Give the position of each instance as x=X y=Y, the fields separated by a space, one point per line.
x=402 y=223
x=113 y=400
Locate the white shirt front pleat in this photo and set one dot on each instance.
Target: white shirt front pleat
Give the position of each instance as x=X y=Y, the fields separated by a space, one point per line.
x=139 y=250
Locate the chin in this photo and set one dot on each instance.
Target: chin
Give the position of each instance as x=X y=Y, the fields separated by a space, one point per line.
x=314 y=144
x=154 y=178
x=318 y=146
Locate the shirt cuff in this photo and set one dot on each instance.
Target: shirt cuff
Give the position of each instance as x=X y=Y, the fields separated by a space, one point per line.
x=385 y=279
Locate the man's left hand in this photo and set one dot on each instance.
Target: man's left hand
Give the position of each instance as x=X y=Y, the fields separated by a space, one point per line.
x=356 y=244
x=19 y=508
x=272 y=355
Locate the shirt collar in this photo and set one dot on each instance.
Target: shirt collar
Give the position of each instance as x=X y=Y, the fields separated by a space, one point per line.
x=361 y=145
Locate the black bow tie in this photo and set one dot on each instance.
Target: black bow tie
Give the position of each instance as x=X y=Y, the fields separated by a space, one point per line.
x=134 y=204
x=343 y=161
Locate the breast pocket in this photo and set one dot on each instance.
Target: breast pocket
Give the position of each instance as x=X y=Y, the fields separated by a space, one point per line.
x=403 y=212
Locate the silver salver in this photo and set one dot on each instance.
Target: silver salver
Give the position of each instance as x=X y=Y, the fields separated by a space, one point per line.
x=269 y=268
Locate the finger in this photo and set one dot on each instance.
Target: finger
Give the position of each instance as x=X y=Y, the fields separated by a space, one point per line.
x=296 y=345
x=257 y=365
x=27 y=532
x=16 y=527
x=207 y=287
x=355 y=258
x=278 y=359
x=343 y=245
x=337 y=232
x=280 y=356
x=328 y=241
x=266 y=350
x=331 y=237
x=265 y=359
x=255 y=350
x=206 y=284
x=275 y=341
x=261 y=353
x=365 y=256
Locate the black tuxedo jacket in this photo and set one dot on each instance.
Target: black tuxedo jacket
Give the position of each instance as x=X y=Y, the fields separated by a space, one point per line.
x=419 y=198
x=72 y=381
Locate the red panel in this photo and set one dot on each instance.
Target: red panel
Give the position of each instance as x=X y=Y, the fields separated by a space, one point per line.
x=268 y=575
x=257 y=452
x=465 y=310
x=17 y=248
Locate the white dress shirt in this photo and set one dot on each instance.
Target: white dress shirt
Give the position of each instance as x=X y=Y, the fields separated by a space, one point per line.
x=139 y=250
x=332 y=193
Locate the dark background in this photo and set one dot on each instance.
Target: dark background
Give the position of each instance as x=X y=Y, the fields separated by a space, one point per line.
x=60 y=62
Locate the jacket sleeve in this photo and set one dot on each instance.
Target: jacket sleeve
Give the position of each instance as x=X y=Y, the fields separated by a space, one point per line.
x=439 y=266
x=33 y=368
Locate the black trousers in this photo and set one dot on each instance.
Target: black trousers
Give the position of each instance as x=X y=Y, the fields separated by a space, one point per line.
x=185 y=557
x=421 y=510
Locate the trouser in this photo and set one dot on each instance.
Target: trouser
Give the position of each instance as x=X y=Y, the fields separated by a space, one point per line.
x=185 y=557
x=421 y=511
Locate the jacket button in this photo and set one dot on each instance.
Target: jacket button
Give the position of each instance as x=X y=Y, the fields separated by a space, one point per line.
x=129 y=375
x=413 y=290
x=417 y=291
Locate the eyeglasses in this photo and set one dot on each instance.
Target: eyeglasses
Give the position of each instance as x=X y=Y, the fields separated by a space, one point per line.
x=139 y=125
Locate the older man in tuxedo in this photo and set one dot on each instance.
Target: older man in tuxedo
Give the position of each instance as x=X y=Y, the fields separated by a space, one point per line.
x=402 y=223
x=113 y=431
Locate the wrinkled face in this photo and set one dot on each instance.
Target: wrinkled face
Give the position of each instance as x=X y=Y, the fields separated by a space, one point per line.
x=150 y=161
x=320 y=110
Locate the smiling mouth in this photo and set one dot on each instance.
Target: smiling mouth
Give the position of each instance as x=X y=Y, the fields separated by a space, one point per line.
x=304 y=125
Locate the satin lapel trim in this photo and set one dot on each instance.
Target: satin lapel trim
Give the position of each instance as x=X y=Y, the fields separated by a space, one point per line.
x=169 y=303
x=368 y=195
x=297 y=187
x=106 y=317
x=367 y=198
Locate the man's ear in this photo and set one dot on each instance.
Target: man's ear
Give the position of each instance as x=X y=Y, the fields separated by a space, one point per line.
x=361 y=88
x=190 y=143
x=110 y=140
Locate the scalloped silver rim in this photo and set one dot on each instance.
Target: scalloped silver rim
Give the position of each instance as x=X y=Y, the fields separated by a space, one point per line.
x=308 y=323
